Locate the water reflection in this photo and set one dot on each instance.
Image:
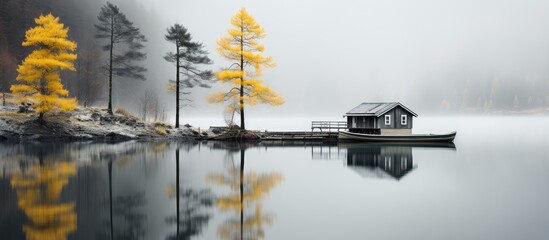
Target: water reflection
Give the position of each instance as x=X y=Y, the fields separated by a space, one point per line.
x=132 y=191
x=39 y=188
x=191 y=217
x=385 y=161
x=127 y=208
x=247 y=189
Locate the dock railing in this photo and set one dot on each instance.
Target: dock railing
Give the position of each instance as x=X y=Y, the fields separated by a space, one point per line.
x=328 y=125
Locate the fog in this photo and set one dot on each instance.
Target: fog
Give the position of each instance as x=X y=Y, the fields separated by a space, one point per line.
x=434 y=56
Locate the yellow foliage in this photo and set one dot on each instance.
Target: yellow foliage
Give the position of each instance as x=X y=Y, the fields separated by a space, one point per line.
x=254 y=188
x=171 y=87
x=40 y=83
x=252 y=225
x=160 y=130
x=257 y=186
x=38 y=191
x=242 y=45
x=228 y=74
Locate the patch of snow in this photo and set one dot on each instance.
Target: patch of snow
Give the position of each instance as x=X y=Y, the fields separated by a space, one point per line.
x=83 y=118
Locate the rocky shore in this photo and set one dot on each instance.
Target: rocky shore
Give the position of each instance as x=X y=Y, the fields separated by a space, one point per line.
x=84 y=124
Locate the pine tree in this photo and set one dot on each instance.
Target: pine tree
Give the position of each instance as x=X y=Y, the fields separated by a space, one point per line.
x=39 y=72
x=242 y=48
x=187 y=56
x=124 y=45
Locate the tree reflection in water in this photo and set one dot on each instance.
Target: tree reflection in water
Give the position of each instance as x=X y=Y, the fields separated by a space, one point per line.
x=247 y=191
x=127 y=210
x=38 y=191
x=191 y=217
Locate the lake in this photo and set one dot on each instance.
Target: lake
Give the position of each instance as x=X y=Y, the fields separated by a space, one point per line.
x=493 y=183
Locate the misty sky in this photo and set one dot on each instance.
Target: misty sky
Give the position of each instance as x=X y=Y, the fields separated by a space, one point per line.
x=332 y=55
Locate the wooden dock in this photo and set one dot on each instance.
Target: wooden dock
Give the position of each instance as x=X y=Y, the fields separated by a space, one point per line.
x=299 y=136
x=326 y=132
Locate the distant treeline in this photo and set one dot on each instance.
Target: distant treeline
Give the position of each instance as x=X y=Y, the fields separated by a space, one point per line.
x=465 y=90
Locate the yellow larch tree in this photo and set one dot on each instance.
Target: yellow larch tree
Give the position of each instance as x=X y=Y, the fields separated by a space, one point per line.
x=40 y=83
x=241 y=46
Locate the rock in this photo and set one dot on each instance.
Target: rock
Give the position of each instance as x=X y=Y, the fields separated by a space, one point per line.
x=131 y=122
x=96 y=116
x=108 y=118
x=24 y=108
x=218 y=130
x=84 y=118
x=83 y=136
x=116 y=136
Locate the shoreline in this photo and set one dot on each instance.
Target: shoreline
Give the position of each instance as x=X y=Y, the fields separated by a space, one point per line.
x=88 y=124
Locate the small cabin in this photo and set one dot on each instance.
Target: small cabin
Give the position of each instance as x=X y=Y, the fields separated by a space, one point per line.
x=380 y=118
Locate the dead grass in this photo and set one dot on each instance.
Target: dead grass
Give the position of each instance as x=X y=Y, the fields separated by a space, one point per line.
x=15 y=116
x=11 y=100
x=160 y=131
x=11 y=114
x=123 y=112
x=162 y=124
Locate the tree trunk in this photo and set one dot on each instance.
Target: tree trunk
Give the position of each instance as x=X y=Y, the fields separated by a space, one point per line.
x=177 y=86
x=242 y=126
x=110 y=66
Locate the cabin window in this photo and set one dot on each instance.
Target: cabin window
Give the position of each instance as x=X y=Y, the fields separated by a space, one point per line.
x=403 y=120
x=403 y=163
x=387 y=162
x=387 y=119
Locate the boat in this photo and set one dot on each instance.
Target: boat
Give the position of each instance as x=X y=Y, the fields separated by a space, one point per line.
x=351 y=136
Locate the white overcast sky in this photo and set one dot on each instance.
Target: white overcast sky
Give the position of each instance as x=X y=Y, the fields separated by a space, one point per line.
x=333 y=55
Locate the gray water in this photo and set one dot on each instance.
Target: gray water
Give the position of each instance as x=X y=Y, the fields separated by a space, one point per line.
x=493 y=183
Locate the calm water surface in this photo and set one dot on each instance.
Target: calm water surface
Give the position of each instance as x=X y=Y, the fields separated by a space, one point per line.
x=492 y=184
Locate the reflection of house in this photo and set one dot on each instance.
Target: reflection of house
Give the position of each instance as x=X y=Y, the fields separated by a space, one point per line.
x=380 y=118
x=380 y=161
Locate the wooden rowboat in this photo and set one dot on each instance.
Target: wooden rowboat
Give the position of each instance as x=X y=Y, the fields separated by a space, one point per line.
x=349 y=136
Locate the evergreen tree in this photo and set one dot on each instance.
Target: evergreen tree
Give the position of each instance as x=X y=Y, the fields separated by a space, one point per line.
x=39 y=72
x=124 y=44
x=187 y=56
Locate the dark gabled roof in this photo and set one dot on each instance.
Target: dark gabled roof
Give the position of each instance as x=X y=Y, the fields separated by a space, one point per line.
x=375 y=109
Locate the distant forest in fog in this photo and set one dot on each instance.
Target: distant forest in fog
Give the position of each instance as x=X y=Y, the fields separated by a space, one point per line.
x=467 y=90
x=458 y=88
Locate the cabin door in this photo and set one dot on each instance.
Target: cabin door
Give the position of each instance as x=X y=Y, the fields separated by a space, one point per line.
x=353 y=125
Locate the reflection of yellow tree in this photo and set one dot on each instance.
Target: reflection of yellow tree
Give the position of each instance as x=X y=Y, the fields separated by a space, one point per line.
x=38 y=192
x=246 y=190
